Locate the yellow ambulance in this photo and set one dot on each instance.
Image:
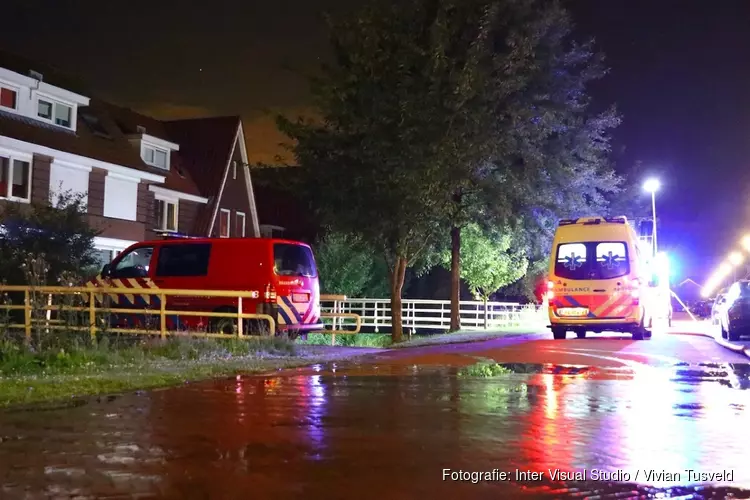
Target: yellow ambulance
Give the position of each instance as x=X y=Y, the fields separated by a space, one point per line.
x=601 y=280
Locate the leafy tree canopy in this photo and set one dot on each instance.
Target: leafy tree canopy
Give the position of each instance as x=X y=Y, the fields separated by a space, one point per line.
x=59 y=232
x=489 y=261
x=349 y=266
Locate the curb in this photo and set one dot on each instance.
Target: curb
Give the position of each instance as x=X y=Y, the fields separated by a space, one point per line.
x=459 y=341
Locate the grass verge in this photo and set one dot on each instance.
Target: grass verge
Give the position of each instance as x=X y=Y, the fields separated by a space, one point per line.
x=32 y=376
x=349 y=340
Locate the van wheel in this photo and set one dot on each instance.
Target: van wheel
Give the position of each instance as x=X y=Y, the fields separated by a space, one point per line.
x=227 y=326
x=559 y=333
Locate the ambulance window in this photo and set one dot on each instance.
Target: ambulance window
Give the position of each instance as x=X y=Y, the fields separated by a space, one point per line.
x=571 y=261
x=611 y=260
x=134 y=264
x=293 y=260
x=187 y=259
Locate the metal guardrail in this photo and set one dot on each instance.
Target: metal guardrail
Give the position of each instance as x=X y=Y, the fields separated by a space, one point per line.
x=41 y=299
x=89 y=296
x=422 y=314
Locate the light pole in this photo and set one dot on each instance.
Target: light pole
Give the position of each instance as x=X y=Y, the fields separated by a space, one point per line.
x=652 y=186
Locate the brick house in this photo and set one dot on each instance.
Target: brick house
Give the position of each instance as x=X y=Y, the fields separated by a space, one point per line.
x=141 y=178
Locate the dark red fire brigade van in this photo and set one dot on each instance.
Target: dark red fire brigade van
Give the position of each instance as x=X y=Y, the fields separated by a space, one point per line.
x=282 y=272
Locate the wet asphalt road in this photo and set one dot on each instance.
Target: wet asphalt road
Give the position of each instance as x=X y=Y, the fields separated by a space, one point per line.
x=389 y=425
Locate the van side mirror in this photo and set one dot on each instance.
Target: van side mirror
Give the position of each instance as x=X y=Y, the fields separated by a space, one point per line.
x=106 y=271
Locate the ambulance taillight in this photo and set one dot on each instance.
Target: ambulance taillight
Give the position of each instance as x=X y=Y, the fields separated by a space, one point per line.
x=550 y=290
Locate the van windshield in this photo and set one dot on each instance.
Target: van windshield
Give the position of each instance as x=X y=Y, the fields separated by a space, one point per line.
x=293 y=260
x=592 y=260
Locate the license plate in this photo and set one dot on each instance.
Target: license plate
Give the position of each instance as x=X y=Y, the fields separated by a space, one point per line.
x=573 y=311
x=300 y=297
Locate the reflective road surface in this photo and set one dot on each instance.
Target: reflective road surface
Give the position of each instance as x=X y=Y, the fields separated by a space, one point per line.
x=633 y=416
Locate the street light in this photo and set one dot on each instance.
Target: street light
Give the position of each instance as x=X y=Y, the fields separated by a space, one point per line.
x=652 y=186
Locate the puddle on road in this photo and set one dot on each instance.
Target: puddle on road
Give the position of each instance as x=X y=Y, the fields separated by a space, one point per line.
x=390 y=431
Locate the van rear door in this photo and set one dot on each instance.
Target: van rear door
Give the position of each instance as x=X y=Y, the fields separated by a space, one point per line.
x=296 y=284
x=592 y=280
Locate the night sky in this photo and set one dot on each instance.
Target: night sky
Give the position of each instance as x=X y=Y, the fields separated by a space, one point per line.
x=679 y=76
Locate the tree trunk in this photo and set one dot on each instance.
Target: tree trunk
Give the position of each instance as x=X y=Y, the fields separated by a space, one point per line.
x=455 y=279
x=398 y=273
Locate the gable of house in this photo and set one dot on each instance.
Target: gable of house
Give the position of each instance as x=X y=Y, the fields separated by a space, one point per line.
x=215 y=155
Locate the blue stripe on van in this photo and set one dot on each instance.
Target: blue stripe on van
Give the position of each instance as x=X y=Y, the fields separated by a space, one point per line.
x=284 y=315
x=291 y=307
x=573 y=302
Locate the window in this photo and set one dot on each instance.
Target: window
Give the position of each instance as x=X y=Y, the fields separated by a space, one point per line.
x=55 y=112
x=165 y=215
x=15 y=179
x=571 y=261
x=8 y=98
x=595 y=260
x=293 y=260
x=134 y=264
x=234 y=170
x=185 y=259
x=611 y=260
x=224 y=223
x=156 y=157
x=239 y=224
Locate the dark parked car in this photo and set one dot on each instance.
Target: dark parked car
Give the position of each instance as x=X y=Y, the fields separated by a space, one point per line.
x=702 y=309
x=734 y=312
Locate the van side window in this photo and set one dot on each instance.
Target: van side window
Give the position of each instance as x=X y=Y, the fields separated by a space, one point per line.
x=571 y=261
x=186 y=259
x=134 y=264
x=293 y=260
x=611 y=260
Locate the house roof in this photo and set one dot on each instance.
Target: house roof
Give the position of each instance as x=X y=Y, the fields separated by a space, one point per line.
x=111 y=147
x=197 y=168
x=205 y=148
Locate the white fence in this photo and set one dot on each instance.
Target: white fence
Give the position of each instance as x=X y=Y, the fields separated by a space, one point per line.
x=418 y=314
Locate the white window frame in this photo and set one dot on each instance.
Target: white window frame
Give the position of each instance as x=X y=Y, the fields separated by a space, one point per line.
x=55 y=102
x=237 y=215
x=12 y=88
x=8 y=193
x=166 y=151
x=229 y=223
x=162 y=224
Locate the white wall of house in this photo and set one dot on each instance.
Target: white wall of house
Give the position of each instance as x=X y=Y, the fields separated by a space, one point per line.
x=120 y=197
x=71 y=177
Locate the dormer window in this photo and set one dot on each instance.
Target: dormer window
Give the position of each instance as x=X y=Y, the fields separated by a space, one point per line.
x=55 y=112
x=8 y=97
x=156 y=156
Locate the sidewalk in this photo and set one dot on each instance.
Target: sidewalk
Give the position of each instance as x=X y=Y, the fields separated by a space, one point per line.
x=683 y=325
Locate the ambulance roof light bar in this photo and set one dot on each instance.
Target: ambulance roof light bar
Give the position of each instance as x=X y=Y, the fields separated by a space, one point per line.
x=620 y=219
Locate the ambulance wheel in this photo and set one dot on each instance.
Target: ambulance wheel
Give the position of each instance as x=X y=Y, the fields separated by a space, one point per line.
x=559 y=333
x=581 y=334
